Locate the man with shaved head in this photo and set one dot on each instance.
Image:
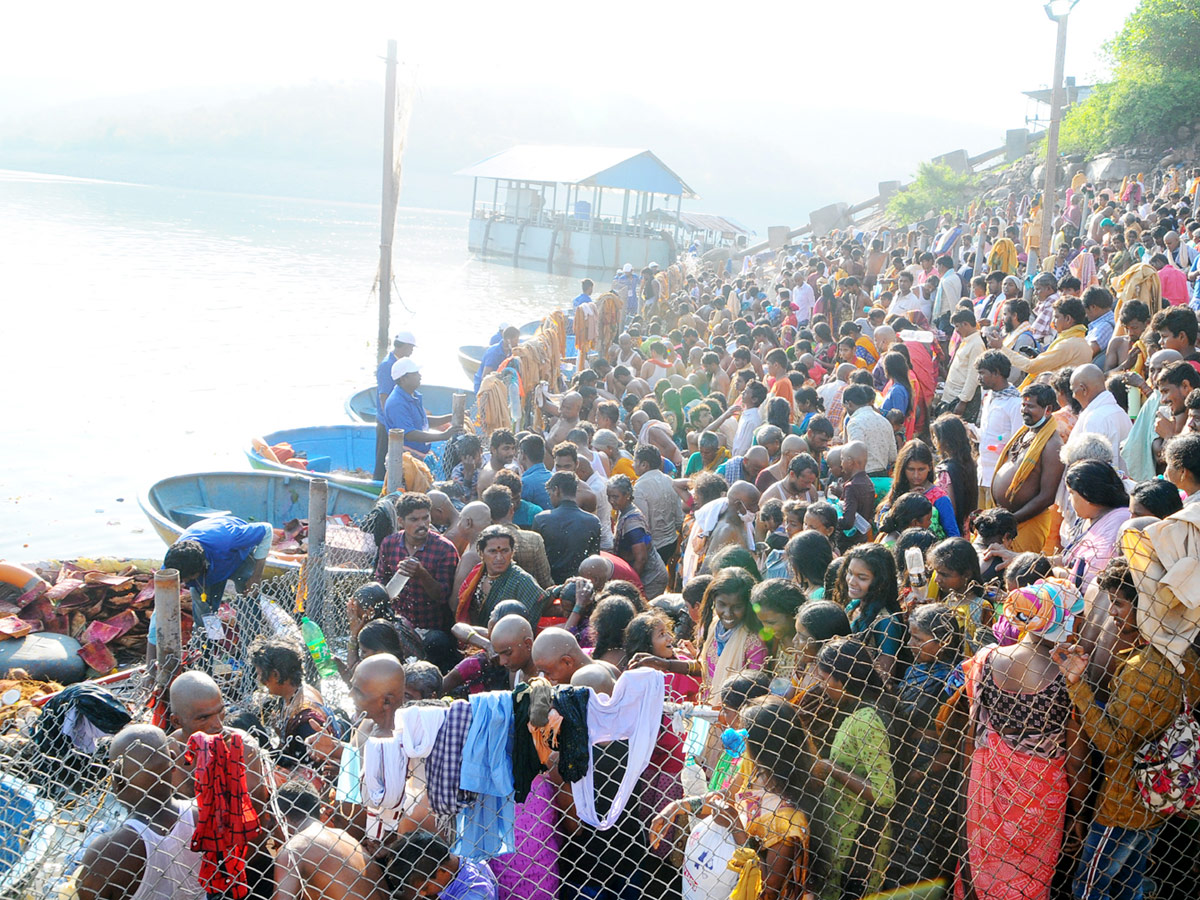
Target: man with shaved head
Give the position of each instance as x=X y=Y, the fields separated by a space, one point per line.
x=557 y=655
x=377 y=690
x=149 y=855
x=442 y=512
x=1101 y=414
x=736 y=524
x=197 y=707
x=475 y=517
x=599 y=676
x=512 y=643
x=858 y=495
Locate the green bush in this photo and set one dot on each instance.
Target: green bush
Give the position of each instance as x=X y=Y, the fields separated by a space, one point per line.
x=937 y=189
x=1156 y=73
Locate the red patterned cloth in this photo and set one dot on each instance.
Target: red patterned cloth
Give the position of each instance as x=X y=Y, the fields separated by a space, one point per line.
x=226 y=822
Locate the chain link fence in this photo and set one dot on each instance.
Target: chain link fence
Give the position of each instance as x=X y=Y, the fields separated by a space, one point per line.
x=1015 y=740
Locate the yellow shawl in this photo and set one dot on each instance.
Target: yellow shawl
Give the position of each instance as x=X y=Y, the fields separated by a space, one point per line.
x=1032 y=456
x=1073 y=332
x=1003 y=257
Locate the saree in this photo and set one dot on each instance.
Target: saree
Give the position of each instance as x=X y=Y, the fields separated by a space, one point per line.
x=1016 y=807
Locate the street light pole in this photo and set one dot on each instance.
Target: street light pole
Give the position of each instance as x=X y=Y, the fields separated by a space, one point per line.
x=1058 y=11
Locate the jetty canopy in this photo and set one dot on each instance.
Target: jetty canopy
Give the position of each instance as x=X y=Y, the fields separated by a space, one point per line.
x=621 y=168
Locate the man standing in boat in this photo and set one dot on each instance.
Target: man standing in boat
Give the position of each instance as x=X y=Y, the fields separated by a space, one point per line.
x=402 y=348
x=497 y=353
x=405 y=409
x=625 y=284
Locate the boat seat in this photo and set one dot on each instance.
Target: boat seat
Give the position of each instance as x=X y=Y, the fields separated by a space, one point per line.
x=319 y=463
x=190 y=515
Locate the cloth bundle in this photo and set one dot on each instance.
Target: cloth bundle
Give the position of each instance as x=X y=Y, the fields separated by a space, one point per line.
x=226 y=822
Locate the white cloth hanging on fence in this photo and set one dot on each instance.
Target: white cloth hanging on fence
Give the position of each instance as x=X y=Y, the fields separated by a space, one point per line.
x=634 y=713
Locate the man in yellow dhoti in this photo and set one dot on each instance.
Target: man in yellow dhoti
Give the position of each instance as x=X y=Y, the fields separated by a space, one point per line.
x=1029 y=470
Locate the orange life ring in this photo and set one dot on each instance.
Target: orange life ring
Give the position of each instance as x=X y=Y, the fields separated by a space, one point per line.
x=19 y=576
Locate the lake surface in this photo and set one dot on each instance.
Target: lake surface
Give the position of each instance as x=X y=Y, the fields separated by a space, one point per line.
x=153 y=331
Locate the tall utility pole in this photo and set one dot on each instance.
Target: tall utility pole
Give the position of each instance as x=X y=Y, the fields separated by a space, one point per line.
x=1057 y=10
x=388 y=207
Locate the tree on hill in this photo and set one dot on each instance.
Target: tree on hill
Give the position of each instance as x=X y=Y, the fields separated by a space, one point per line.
x=1156 y=78
x=936 y=189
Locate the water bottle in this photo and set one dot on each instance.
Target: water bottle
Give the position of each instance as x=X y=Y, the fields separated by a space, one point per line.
x=314 y=639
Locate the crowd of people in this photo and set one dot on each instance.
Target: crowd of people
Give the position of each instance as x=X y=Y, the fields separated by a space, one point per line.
x=866 y=567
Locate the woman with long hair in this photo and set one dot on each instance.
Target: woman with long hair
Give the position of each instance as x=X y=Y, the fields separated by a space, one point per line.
x=914 y=472
x=729 y=629
x=900 y=392
x=956 y=472
x=867 y=589
x=1099 y=498
x=855 y=753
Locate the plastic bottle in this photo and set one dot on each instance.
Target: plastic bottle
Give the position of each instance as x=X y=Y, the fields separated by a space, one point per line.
x=734 y=742
x=314 y=639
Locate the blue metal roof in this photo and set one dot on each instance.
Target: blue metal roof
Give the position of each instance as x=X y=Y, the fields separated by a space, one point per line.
x=610 y=167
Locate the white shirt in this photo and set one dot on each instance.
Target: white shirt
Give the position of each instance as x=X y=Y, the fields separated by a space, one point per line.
x=949 y=292
x=905 y=303
x=828 y=391
x=999 y=419
x=1103 y=416
x=962 y=379
x=803 y=301
x=869 y=426
x=743 y=438
x=655 y=495
x=599 y=487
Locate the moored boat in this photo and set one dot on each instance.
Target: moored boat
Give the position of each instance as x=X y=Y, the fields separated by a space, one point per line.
x=179 y=501
x=342 y=454
x=361 y=406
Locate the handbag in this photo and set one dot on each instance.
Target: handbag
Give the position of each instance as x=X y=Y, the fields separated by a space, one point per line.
x=1167 y=769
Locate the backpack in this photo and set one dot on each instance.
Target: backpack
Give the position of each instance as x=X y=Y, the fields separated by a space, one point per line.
x=1167 y=769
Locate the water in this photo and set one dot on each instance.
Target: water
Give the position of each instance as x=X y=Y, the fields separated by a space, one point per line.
x=152 y=331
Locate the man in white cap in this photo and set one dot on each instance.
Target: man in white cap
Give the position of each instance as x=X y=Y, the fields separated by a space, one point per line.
x=402 y=348
x=625 y=285
x=406 y=410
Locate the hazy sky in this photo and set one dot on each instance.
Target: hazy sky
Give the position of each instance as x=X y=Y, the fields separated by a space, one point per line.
x=825 y=78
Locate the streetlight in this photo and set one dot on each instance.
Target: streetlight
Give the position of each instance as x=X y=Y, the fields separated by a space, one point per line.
x=1057 y=11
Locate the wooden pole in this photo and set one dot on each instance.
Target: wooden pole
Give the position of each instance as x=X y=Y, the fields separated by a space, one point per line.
x=169 y=646
x=314 y=561
x=395 y=460
x=458 y=410
x=388 y=211
x=1056 y=97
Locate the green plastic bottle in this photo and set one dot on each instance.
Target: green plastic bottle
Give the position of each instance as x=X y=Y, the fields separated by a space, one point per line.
x=314 y=639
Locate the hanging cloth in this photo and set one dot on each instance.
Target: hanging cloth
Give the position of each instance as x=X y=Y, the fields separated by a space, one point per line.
x=633 y=713
x=226 y=820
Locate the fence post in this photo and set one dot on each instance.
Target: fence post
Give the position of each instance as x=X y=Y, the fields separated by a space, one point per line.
x=395 y=460
x=314 y=561
x=169 y=646
x=458 y=410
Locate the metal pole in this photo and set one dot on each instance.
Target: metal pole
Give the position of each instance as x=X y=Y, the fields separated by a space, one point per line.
x=395 y=460
x=458 y=410
x=314 y=562
x=169 y=648
x=388 y=211
x=1049 y=186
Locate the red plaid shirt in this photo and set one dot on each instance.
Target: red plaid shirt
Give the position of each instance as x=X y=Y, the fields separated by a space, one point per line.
x=440 y=558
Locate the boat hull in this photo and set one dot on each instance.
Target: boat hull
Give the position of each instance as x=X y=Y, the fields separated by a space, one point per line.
x=174 y=503
x=334 y=452
x=361 y=405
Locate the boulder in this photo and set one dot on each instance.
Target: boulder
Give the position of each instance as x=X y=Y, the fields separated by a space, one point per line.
x=827 y=218
x=1109 y=168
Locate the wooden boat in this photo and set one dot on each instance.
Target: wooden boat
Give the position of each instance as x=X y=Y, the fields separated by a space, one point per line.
x=361 y=405
x=175 y=503
x=342 y=454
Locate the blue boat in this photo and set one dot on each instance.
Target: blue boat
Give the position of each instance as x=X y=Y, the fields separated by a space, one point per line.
x=342 y=454
x=361 y=405
x=175 y=503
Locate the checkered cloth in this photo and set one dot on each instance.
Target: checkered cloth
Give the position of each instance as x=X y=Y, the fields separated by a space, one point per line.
x=443 y=769
x=226 y=822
